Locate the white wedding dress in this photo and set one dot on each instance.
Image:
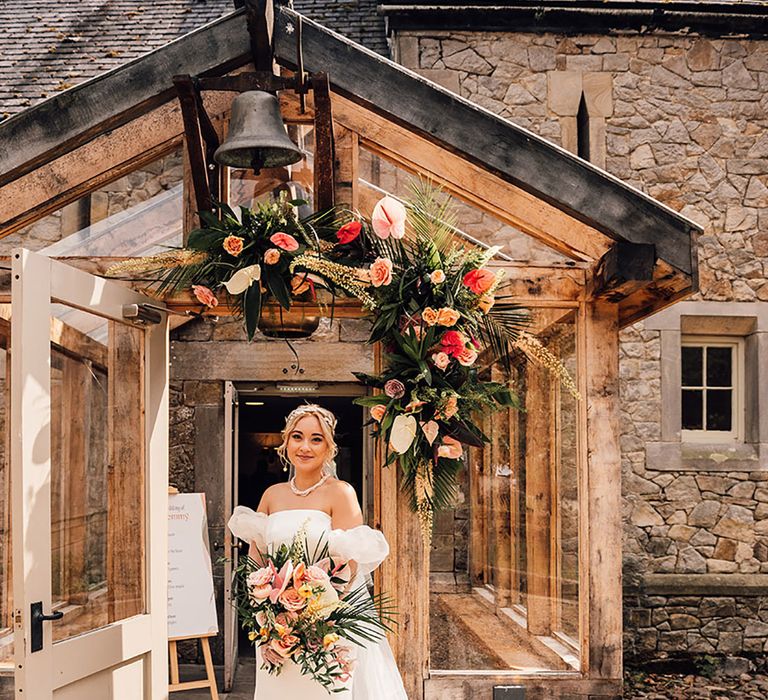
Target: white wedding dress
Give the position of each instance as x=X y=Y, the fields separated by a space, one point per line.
x=375 y=675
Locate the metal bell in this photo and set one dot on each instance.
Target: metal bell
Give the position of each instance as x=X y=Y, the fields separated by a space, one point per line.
x=257 y=137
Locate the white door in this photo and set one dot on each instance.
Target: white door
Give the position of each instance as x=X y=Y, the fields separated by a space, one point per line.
x=89 y=459
x=231 y=437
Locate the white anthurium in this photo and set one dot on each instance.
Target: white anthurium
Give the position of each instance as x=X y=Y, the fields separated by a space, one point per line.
x=243 y=279
x=402 y=434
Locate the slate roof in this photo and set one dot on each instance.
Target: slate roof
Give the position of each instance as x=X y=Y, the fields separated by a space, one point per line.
x=47 y=46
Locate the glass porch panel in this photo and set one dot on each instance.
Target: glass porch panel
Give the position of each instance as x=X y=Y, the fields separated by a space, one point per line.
x=138 y=214
x=247 y=188
x=97 y=514
x=379 y=176
x=516 y=606
x=6 y=543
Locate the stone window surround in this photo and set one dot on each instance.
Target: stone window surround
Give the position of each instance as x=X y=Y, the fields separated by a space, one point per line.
x=564 y=91
x=742 y=319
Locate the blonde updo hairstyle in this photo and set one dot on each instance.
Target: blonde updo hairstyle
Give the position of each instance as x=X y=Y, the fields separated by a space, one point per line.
x=327 y=425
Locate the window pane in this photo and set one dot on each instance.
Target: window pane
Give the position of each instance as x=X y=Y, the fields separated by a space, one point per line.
x=693 y=409
x=719 y=409
x=692 y=366
x=719 y=364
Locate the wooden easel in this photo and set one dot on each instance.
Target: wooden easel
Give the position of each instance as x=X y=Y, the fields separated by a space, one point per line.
x=208 y=682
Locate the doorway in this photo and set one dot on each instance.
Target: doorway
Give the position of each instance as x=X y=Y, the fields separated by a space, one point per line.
x=258 y=413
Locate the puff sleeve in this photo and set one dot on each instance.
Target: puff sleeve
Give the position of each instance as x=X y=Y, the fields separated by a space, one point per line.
x=364 y=545
x=250 y=526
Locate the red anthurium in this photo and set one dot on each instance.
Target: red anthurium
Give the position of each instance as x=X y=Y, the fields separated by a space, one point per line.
x=348 y=232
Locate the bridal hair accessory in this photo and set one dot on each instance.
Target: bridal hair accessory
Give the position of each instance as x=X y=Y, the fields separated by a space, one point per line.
x=306 y=492
x=313 y=409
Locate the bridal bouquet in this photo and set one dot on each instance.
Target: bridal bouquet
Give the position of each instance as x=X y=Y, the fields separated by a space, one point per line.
x=296 y=607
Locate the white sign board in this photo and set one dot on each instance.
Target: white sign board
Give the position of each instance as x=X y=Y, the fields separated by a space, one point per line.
x=191 y=602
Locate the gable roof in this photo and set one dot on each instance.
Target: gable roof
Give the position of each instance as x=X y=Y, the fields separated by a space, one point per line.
x=48 y=46
x=610 y=208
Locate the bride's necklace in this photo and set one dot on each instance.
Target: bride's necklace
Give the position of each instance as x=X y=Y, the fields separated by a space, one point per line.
x=306 y=492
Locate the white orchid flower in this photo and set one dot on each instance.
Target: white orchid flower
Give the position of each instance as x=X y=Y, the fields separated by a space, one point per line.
x=402 y=434
x=243 y=279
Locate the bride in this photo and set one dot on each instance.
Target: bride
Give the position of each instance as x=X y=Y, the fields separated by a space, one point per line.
x=327 y=508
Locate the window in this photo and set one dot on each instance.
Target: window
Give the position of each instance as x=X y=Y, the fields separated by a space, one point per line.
x=712 y=386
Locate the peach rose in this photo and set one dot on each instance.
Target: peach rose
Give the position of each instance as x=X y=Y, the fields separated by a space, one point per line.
x=291 y=600
x=381 y=272
x=272 y=256
x=284 y=646
x=284 y=241
x=447 y=317
x=233 y=245
x=450 y=449
x=378 y=411
x=388 y=218
x=485 y=303
x=479 y=281
x=430 y=316
x=441 y=360
x=437 y=277
x=204 y=295
x=271 y=657
x=467 y=356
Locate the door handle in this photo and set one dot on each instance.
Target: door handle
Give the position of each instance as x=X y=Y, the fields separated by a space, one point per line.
x=38 y=617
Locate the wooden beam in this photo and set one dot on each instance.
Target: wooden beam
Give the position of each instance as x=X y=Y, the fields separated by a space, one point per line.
x=538 y=499
x=75 y=425
x=500 y=494
x=624 y=269
x=75 y=117
x=600 y=505
x=106 y=158
x=489 y=141
x=346 y=182
x=472 y=183
x=126 y=499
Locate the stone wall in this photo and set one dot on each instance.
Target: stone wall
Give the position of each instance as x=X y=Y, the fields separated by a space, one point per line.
x=683 y=119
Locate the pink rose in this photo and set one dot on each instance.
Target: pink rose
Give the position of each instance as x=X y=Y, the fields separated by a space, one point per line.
x=467 y=356
x=284 y=241
x=450 y=449
x=378 y=411
x=271 y=657
x=272 y=256
x=315 y=573
x=479 y=281
x=441 y=360
x=291 y=600
x=447 y=317
x=233 y=245
x=381 y=272
x=394 y=388
x=437 y=277
x=261 y=576
x=204 y=295
x=388 y=218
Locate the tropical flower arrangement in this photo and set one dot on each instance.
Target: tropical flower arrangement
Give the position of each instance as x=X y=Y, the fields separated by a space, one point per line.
x=296 y=607
x=433 y=302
